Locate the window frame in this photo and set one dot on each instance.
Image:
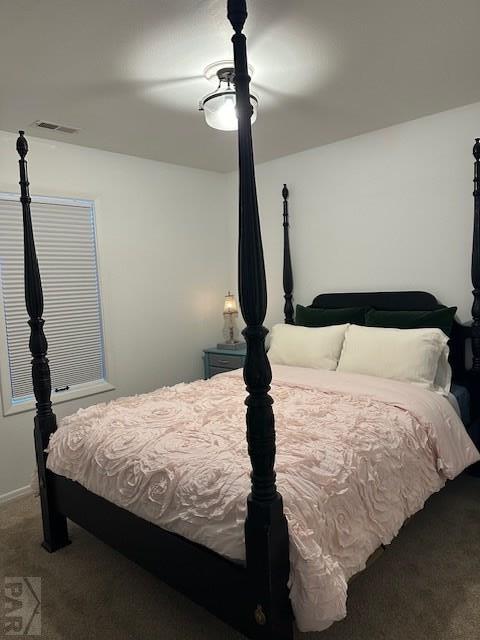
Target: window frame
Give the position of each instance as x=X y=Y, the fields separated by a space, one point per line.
x=11 y=406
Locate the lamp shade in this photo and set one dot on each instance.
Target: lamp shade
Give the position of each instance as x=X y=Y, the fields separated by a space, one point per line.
x=230 y=305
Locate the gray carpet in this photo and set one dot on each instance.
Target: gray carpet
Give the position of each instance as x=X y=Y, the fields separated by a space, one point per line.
x=425 y=586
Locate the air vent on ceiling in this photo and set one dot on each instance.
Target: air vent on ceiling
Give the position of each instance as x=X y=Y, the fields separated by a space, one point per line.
x=54 y=127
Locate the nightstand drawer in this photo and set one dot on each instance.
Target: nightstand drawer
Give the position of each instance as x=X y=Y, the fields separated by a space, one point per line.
x=225 y=362
x=217 y=360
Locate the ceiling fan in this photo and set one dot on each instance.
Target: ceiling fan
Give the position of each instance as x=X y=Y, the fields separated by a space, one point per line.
x=219 y=105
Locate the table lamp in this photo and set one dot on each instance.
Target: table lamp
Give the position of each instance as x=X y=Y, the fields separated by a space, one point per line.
x=230 y=329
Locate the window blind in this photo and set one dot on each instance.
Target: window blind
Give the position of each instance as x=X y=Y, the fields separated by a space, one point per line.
x=65 y=241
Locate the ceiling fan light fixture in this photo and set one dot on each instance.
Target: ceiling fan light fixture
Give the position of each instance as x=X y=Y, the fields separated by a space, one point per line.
x=219 y=107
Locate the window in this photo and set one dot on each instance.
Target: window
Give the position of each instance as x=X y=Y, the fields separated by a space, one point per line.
x=64 y=233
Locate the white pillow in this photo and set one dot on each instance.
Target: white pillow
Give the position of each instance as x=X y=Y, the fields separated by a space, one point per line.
x=313 y=347
x=409 y=355
x=443 y=379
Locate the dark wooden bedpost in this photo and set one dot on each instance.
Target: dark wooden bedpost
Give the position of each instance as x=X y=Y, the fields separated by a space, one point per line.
x=287 y=261
x=266 y=532
x=476 y=262
x=55 y=533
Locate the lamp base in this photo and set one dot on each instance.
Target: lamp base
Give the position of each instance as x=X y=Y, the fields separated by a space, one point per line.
x=231 y=345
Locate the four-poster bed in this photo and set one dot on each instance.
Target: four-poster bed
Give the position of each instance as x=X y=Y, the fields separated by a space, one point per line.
x=252 y=596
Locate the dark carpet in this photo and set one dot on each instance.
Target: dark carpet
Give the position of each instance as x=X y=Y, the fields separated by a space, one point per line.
x=426 y=586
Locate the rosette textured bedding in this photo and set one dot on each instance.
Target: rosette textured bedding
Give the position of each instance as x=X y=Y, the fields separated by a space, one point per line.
x=356 y=456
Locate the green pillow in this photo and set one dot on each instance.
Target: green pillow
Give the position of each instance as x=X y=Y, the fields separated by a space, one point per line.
x=438 y=319
x=308 y=317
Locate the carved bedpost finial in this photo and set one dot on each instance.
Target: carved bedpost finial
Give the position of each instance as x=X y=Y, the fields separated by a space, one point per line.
x=285 y=192
x=476 y=149
x=476 y=261
x=22 y=145
x=237 y=14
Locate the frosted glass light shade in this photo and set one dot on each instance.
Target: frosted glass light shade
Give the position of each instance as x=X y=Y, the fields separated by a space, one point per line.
x=221 y=113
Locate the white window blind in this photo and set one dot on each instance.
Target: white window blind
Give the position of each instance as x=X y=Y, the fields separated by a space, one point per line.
x=65 y=241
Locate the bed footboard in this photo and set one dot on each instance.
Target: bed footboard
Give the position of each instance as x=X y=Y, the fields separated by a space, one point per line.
x=217 y=584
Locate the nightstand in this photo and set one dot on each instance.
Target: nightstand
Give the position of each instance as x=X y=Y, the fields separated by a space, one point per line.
x=221 y=360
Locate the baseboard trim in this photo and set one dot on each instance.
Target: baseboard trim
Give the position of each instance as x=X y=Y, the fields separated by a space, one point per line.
x=16 y=493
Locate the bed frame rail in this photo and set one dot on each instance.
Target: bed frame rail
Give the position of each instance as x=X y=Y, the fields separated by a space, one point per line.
x=220 y=586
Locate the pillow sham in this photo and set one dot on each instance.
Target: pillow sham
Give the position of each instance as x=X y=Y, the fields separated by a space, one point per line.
x=443 y=378
x=408 y=355
x=308 y=317
x=313 y=347
x=436 y=319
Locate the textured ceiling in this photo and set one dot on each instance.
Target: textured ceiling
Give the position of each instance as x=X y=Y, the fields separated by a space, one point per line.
x=128 y=73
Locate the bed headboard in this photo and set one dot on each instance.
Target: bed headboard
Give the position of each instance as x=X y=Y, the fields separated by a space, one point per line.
x=384 y=300
x=410 y=300
x=404 y=301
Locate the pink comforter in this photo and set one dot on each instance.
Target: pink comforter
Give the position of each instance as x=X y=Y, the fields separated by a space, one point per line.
x=356 y=457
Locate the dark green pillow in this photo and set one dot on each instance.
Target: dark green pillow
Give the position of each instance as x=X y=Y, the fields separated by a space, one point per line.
x=438 y=319
x=308 y=317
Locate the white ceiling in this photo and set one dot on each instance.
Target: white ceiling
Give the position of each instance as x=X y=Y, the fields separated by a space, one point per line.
x=324 y=70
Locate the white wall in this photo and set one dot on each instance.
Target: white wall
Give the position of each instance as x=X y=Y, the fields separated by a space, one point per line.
x=163 y=269
x=388 y=210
